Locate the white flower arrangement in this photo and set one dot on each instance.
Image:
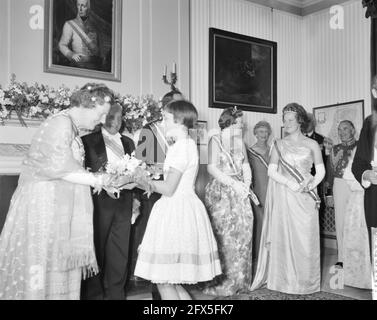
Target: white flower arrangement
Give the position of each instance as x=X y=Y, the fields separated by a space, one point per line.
x=40 y=101
x=125 y=166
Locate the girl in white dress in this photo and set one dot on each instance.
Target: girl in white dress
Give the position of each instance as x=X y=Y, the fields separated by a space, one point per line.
x=178 y=245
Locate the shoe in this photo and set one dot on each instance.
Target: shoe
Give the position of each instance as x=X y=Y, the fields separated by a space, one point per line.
x=339 y=264
x=155 y=294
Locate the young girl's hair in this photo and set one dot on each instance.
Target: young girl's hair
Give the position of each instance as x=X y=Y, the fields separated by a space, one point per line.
x=184 y=112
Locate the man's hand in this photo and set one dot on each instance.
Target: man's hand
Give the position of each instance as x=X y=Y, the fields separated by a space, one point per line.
x=370 y=176
x=77 y=57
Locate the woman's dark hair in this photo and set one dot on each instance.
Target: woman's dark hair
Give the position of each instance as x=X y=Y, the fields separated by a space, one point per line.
x=91 y=94
x=229 y=117
x=184 y=112
x=167 y=98
x=300 y=113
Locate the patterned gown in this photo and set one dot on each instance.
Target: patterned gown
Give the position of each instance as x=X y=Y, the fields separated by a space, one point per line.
x=232 y=221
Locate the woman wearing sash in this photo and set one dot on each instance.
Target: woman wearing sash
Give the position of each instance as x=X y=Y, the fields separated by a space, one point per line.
x=289 y=253
x=258 y=156
x=229 y=207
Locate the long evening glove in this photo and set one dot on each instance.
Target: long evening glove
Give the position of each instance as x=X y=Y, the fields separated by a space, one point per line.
x=239 y=187
x=319 y=175
x=278 y=177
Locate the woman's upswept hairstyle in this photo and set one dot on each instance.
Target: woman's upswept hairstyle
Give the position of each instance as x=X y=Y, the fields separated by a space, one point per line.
x=229 y=117
x=300 y=113
x=91 y=94
x=184 y=112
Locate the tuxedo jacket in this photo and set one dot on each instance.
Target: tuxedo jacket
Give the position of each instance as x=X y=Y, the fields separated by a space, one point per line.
x=95 y=159
x=362 y=161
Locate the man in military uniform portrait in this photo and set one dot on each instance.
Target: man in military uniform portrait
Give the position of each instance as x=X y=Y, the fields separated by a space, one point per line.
x=84 y=39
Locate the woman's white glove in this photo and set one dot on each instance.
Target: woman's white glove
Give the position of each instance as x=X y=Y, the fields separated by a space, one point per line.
x=278 y=177
x=319 y=175
x=247 y=175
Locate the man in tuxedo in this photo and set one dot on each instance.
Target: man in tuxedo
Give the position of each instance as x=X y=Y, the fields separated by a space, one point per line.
x=152 y=148
x=112 y=215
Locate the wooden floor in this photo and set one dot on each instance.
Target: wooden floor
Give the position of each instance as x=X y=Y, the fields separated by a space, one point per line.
x=141 y=290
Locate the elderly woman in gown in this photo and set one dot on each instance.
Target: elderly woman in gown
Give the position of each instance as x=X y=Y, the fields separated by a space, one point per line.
x=258 y=156
x=46 y=245
x=289 y=254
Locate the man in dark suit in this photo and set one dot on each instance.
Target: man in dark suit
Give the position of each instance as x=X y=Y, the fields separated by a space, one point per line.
x=112 y=216
x=152 y=148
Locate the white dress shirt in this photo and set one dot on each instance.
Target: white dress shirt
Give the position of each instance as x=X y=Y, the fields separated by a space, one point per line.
x=111 y=156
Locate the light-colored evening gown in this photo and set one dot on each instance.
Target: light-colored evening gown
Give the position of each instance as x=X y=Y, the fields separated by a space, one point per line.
x=289 y=253
x=357 y=264
x=48 y=235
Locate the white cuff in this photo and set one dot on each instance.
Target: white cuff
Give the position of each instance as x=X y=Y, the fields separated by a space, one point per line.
x=366 y=184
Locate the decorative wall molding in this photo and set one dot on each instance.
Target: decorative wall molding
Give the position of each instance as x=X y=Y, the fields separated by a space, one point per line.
x=299 y=7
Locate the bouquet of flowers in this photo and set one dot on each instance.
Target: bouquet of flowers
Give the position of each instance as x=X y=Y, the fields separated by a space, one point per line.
x=138 y=111
x=131 y=170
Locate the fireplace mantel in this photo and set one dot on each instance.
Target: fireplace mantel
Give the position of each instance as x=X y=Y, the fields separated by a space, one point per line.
x=14 y=142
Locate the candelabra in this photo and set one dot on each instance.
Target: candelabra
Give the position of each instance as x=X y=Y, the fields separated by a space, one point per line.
x=173 y=77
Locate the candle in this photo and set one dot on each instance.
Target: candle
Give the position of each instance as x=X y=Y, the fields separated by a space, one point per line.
x=174 y=67
x=165 y=70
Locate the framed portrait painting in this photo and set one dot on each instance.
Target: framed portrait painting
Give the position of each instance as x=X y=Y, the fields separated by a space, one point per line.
x=329 y=117
x=242 y=72
x=83 y=38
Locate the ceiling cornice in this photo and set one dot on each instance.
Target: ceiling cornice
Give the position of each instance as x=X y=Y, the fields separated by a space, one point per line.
x=298 y=7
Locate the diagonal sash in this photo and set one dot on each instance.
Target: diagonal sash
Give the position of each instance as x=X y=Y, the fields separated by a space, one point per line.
x=84 y=37
x=160 y=137
x=252 y=194
x=257 y=155
x=114 y=147
x=296 y=174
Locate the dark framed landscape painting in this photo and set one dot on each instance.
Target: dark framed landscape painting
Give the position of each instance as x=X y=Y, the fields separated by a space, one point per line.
x=242 y=72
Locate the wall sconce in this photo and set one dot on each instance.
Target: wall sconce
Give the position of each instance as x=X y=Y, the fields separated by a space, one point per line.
x=173 y=77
